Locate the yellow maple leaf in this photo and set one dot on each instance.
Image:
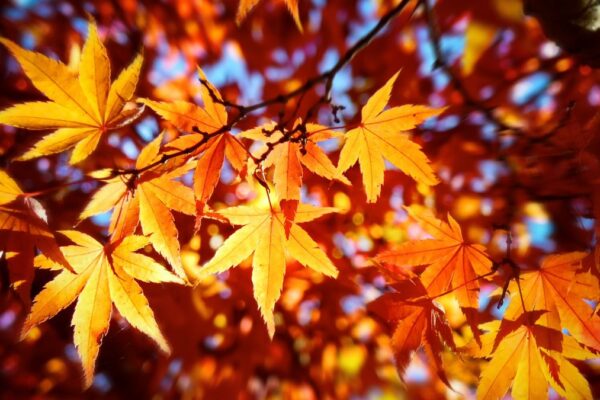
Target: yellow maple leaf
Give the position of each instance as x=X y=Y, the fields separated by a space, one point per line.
x=82 y=108
x=532 y=357
x=246 y=6
x=559 y=288
x=147 y=201
x=381 y=134
x=262 y=233
x=104 y=275
x=9 y=190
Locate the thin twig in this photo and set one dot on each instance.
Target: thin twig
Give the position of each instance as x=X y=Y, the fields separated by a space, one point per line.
x=327 y=77
x=442 y=63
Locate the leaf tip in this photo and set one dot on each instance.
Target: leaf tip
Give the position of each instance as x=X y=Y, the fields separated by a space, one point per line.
x=25 y=330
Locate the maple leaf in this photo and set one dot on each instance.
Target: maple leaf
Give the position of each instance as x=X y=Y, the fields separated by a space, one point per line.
x=380 y=135
x=287 y=159
x=104 y=276
x=559 y=288
x=82 y=108
x=246 y=6
x=262 y=233
x=188 y=117
x=23 y=227
x=417 y=323
x=147 y=201
x=452 y=263
x=534 y=357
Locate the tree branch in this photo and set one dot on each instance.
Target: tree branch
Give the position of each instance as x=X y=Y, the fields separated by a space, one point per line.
x=327 y=77
x=442 y=63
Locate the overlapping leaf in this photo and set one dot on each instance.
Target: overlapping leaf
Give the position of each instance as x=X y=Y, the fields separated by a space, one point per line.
x=287 y=159
x=9 y=190
x=381 y=135
x=103 y=276
x=188 y=117
x=532 y=357
x=81 y=108
x=417 y=323
x=262 y=233
x=148 y=200
x=23 y=227
x=559 y=287
x=452 y=263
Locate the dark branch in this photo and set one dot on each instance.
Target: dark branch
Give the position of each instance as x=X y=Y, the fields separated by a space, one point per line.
x=442 y=63
x=327 y=77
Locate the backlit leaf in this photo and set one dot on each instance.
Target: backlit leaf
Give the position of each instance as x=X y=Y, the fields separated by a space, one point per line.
x=83 y=107
x=381 y=134
x=102 y=278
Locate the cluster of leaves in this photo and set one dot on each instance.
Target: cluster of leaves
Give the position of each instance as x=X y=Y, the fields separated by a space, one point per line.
x=87 y=105
x=548 y=327
x=527 y=345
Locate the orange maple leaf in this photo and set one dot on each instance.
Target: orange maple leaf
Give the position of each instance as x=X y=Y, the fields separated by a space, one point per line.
x=23 y=227
x=188 y=117
x=417 y=323
x=247 y=5
x=452 y=263
x=287 y=158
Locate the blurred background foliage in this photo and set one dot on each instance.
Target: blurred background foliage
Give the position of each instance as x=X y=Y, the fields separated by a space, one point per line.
x=516 y=151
